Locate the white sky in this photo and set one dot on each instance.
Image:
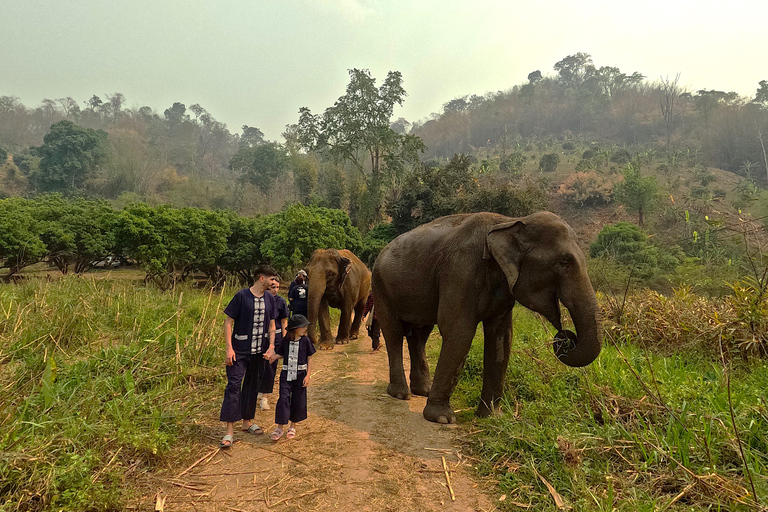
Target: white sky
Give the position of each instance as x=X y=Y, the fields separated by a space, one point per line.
x=257 y=62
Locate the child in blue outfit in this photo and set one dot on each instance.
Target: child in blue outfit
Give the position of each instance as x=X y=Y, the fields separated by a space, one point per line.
x=297 y=350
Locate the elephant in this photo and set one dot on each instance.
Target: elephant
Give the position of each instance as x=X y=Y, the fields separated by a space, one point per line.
x=340 y=280
x=460 y=270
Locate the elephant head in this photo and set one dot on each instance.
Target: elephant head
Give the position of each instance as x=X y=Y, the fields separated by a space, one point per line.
x=544 y=266
x=326 y=271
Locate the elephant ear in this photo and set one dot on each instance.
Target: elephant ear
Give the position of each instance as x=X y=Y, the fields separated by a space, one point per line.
x=503 y=243
x=344 y=265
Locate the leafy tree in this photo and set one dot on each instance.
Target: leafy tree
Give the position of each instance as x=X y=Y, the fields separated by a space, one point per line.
x=291 y=236
x=242 y=254
x=573 y=70
x=20 y=243
x=70 y=154
x=359 y=123
x=549 y=162
x=637 y=193
x=261 y=165
x=304 y=177
x=251 y=136
x=627 y=244
x=375 y=240
x=761 y=96
x=170 y=243
x=76 y=232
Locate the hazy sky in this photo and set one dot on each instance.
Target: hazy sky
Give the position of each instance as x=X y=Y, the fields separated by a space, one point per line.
x=257 y=62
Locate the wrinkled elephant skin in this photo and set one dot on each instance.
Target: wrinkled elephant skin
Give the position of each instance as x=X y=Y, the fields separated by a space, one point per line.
x=460 y=270
x=337 y=279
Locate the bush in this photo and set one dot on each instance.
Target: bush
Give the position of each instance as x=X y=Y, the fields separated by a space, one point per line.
x=514 y=163
x=629 y=245
x=586 y=189
x=375 y=240
x=549 y=162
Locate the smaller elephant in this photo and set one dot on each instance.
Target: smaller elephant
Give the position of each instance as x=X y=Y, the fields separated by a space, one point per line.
x=340 y=280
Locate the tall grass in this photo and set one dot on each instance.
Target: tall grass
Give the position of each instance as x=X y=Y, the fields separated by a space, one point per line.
x=97 y=378
x=636 y=430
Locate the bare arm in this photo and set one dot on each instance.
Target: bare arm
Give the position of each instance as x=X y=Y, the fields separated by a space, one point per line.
x=229 y=324
x=270 y=353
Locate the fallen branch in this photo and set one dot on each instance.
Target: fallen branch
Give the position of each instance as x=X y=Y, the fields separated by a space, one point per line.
x=198 y=461
x=448 y=479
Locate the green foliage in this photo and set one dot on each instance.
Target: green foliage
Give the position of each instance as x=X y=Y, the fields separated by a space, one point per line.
x=627 y=244
x=291 y=236
x=261 y=165
x=375 y=240
x=76 y=232
x=305 y=176
x=170 y=243
x=549 y=162
x=660 y=408
x=514 y=163
x=432 y=192
x=70 y=155
x=638 y=193
x=20 y=243
x=94 y=387
x=586 y=189
x=3 y=155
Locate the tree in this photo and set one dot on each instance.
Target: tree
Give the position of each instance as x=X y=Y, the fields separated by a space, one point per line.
x=20 y=243
x=251 y=136
x=70 y=154
x=359 y=122
x=304 y=177
x=761 y=96
x=637 y=193
x=261 y=165
x=573 y=70
x=671 y=92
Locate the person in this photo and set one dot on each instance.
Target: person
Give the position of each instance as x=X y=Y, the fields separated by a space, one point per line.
x=270 y=368
x=372 y=323
x=298 y=297
x=249 y=329
x=297 y=350
x=301 y=278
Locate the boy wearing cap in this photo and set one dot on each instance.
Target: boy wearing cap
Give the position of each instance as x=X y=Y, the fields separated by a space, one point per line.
x=297 y=350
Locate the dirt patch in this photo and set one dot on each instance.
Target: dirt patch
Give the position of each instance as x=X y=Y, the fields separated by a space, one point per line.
x=359 y=450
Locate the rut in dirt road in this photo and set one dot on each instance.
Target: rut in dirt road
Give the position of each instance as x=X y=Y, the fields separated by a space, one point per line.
x=360 y=449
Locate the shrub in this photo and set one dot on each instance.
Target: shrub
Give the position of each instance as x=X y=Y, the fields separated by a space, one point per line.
x=514 y=163
x=375 y=240
x=621 y=156
x=549 y=162
x=629 y=245
x=586 y=189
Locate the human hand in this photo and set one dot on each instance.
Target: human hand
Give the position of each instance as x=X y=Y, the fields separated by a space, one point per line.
x=270 y=354
x=306 y=380
x=231 y=358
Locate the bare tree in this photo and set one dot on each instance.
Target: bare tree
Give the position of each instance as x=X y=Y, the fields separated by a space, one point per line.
x=672 y=91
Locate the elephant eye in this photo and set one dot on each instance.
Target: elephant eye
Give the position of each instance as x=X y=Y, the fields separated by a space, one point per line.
x=566 y=262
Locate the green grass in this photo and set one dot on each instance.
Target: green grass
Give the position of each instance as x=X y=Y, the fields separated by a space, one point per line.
x=632 y=431
x=97 y=378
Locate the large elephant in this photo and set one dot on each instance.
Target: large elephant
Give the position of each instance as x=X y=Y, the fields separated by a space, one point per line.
x=460 y=270
x=340 y=280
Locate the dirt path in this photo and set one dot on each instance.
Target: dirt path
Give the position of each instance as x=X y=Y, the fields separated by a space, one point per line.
x=359 y=450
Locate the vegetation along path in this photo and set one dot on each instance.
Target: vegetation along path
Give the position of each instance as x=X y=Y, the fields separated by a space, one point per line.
x=360 y=449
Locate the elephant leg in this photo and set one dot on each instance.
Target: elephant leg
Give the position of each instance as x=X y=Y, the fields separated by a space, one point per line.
x=342 y=336
x=457 y=336
x=354 y=331
x=498 y=337
x=392 y=330
x=324 y=320
x=417 y=343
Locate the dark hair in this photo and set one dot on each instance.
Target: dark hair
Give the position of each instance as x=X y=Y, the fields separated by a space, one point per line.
x=264 y=270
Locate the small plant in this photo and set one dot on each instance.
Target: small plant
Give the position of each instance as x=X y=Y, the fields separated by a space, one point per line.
x=549 y=162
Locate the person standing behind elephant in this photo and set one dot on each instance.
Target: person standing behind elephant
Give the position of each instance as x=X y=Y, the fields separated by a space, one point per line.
x=372 y=323
x=281 y=321
x=249 y=335
x=301 y=277
x=299 y=297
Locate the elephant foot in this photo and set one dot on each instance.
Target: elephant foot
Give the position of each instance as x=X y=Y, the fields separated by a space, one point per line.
x=399 y=392
x=439 y=413
x=353 y=336
x=420 y=389
x=484 y=410
x=345 y=341
x=325 y=346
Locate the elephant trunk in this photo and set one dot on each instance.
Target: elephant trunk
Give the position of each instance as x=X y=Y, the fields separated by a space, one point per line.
x=316 y=291
x=577 y=351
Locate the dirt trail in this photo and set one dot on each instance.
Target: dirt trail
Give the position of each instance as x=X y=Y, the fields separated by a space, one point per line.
x=359 y=450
